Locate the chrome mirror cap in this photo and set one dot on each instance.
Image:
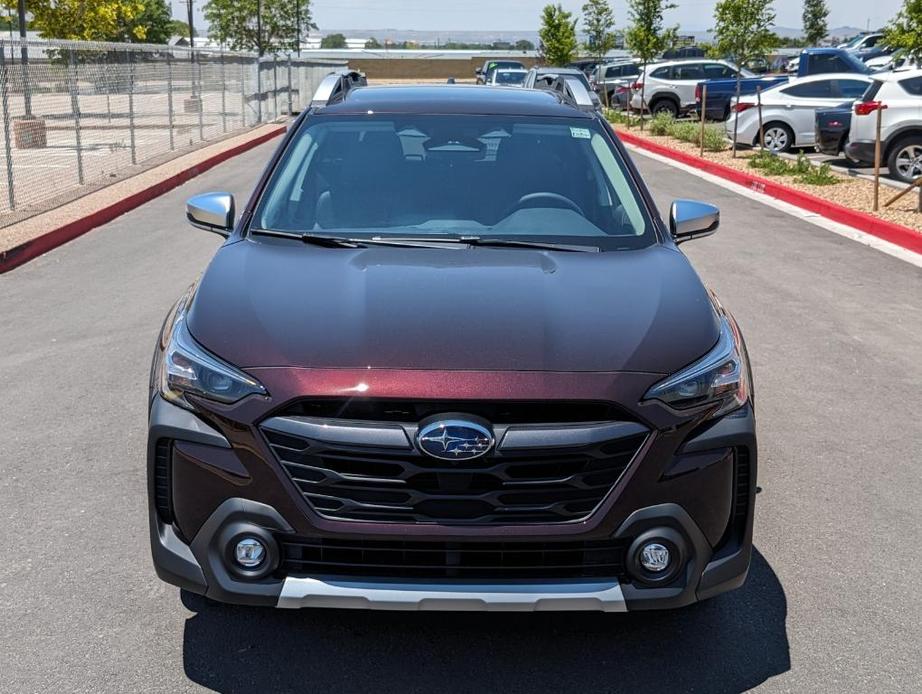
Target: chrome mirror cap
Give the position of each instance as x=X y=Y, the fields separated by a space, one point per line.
x=690 y=219
x=212 y=212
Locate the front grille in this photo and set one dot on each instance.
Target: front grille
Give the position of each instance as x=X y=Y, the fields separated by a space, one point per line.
x=514 y=487
x=462 y=560
x=162 y=480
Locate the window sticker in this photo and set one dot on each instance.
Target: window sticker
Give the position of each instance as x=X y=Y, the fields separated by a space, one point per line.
x=580 y=133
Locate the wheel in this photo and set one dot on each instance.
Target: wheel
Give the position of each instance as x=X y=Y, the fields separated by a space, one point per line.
x=905 y=160
x=664 y=106
x=778 y=137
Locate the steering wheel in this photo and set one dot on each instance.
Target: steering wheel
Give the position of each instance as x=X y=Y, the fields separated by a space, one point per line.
x=560 y=200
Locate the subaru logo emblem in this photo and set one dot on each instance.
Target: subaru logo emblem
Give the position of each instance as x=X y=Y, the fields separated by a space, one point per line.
x=454 y=439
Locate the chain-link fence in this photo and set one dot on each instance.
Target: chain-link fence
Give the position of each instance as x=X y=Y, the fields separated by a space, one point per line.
x=76 y=114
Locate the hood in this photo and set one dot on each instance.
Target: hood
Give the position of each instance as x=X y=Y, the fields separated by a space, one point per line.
x=266 y=303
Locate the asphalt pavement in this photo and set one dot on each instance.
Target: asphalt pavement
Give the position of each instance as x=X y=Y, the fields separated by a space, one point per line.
x=832 y=603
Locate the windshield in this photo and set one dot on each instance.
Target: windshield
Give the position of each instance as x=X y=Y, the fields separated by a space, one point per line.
x=539 y=179
x=509 y=77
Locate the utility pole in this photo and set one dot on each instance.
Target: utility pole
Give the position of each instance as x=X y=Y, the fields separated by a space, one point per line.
x=259 y=28
x=298 y=24
x=24 y=52
x=191 y=28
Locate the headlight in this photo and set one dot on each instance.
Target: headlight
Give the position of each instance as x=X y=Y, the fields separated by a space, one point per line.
x=188 y=369
x=720 y=377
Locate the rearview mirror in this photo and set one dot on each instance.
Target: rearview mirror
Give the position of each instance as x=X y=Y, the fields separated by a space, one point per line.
x=690 y=219
x=212 y=212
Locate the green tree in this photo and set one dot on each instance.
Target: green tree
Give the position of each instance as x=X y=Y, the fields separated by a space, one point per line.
x=333 y=41
x=524 y=45
x=743 y=32
x=598 y=20
x=646 y=37
x=233 y=22
x=98 y=20
x=905 y=30
x=558 y=35
x=815 y=27
x=373 y=43
x=180 y=28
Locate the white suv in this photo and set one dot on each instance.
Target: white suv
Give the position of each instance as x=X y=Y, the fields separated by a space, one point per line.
x=670 y=87
x=901 y=123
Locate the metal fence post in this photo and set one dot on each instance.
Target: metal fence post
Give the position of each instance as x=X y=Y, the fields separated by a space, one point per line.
x=4 y=95
x=223 y=94
x=201 y=97
x=243 y=93
x=75 y=111
x=169 y=98
x=275 y=86
x=259 y=91
x=290 y=107
x=134 y=153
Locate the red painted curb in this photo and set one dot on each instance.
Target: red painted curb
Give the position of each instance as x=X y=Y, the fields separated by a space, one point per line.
x=24 y=252
x=901 y=236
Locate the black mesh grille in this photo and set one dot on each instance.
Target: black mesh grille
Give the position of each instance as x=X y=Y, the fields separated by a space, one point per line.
x=742 y=479
x=481 y=560
x=162 y=480
x=508 y=488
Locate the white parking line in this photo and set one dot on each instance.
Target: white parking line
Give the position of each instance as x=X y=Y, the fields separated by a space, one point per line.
x=848 y=232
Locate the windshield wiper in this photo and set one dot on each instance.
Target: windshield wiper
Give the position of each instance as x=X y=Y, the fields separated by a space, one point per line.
x=540 y=245
x=496 y=243
x=345 y=242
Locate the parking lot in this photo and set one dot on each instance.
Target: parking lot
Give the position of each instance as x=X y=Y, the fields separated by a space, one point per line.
x=831 y=604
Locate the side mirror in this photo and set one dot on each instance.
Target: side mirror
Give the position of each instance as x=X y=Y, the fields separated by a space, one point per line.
x=212 y=212
x=689 y=219
x=478 y=71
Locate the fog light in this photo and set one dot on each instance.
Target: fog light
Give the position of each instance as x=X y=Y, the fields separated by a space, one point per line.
x=249 y=552
x=654 y=557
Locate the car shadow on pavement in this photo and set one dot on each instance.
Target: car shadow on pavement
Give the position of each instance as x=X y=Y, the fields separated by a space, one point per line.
x=729 y=644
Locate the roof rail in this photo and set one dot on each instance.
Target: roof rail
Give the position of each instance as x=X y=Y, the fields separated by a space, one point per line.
x=334 y=87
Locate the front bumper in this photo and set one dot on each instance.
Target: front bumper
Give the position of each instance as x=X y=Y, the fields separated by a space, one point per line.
x=191 y=550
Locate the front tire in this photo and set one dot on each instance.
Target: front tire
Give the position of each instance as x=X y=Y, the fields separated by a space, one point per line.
x=905 y=160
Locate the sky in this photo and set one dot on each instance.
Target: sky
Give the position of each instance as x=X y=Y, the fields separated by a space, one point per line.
x=510 y=15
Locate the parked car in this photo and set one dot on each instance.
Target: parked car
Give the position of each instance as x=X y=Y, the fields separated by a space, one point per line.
x=901 y=123
x=832 y=128
x=541 y=77
x=670 y=87
x=789 y=110
x=812 y=61
x=721 y=92
x=420 y=376
x=485 y=72
x=862 y=42
x=504 y=77
x=586 y=65
x=610 y=77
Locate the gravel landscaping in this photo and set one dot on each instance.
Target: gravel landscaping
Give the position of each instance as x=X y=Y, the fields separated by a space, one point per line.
x=855 y=193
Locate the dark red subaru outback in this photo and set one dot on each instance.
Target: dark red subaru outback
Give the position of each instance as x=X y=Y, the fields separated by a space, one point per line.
x=451 y=358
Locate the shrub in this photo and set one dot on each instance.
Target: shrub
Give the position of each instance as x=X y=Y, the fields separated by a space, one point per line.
x=714 y=138
x=769 y=164
x=684 y=130
x=661 y=124
x=818 y=176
